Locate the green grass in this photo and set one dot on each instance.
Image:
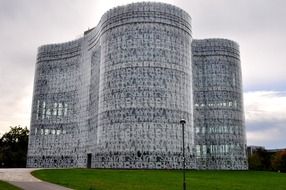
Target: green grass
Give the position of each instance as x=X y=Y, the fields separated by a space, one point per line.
x=107 y=179
x=7 y=186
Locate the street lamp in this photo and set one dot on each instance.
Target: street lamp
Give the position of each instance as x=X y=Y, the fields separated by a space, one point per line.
x=183 y=122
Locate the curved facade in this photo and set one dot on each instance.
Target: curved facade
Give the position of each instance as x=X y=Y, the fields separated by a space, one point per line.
x=145 y=85
x=218 y=105
x=55 y=115
x=114 y=98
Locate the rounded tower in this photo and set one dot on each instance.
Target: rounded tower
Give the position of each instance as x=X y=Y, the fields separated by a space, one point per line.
x=145 y=87
x=218 y=105
x=54 y=121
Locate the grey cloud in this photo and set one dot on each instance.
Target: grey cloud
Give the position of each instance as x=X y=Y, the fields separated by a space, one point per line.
x=243 y=15
x=25 y=25
x=265 y=118
x=269 y=134
x=257 y=25
x=257 y=126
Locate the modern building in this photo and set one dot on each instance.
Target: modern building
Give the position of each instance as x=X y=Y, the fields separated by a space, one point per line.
x=114 y=98
x=218 y=105
x=250 y=150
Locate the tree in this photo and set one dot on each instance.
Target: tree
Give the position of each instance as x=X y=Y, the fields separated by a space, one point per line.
x=260 y=160
x=254 y=162
x=278 y=161
x=13 y=147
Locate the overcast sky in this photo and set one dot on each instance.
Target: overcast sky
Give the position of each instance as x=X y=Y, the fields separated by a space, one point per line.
x=259 y=26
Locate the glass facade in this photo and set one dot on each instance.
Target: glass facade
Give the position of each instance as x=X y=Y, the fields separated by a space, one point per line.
x=218 y=107
x=114 y=98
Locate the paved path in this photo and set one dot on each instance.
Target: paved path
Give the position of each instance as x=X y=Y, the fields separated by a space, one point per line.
x=23 y=179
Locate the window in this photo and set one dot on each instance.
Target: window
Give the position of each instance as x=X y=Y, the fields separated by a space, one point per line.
x=235 y=103
x=60 y=109
x=204 y=152
x=48 y=113
x=55 y=109
x=198 y=149
x=203 y=130
x=38 y=107
x=44 y=110
x=65 y=109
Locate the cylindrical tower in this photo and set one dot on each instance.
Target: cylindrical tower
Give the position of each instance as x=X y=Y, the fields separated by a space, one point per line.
x=145 y=87
x=218 y=105
x=54 y=121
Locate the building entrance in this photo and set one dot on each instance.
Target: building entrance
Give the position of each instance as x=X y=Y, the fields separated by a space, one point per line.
x=88 y=160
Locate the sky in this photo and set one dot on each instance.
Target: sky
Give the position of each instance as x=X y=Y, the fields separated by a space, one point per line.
x=259 y=26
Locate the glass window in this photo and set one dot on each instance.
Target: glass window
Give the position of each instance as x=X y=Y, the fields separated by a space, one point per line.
x=204 y=150
x=60 y=109
x=38 y=108
x=55 y=109
x=198 y=149
x=44 y=110
x=65 y=109
x=48 y=113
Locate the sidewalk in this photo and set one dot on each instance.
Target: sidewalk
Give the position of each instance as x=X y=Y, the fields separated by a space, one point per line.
x=22 y=178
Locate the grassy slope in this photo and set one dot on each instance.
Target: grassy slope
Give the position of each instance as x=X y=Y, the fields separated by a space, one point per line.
x=7 y=186
x=162 y=179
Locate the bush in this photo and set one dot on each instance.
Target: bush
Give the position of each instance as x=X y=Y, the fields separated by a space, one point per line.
x=260 y=160
x=13 y=148
x=278 y=161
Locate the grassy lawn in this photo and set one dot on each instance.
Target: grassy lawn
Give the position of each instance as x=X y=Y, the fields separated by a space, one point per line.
x=7 y=186
x=107 y=179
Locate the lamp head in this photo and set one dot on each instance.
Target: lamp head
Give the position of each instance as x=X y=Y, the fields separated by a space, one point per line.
x=183 y=121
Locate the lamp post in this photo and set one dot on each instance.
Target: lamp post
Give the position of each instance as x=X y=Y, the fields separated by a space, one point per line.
x=183 y=122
